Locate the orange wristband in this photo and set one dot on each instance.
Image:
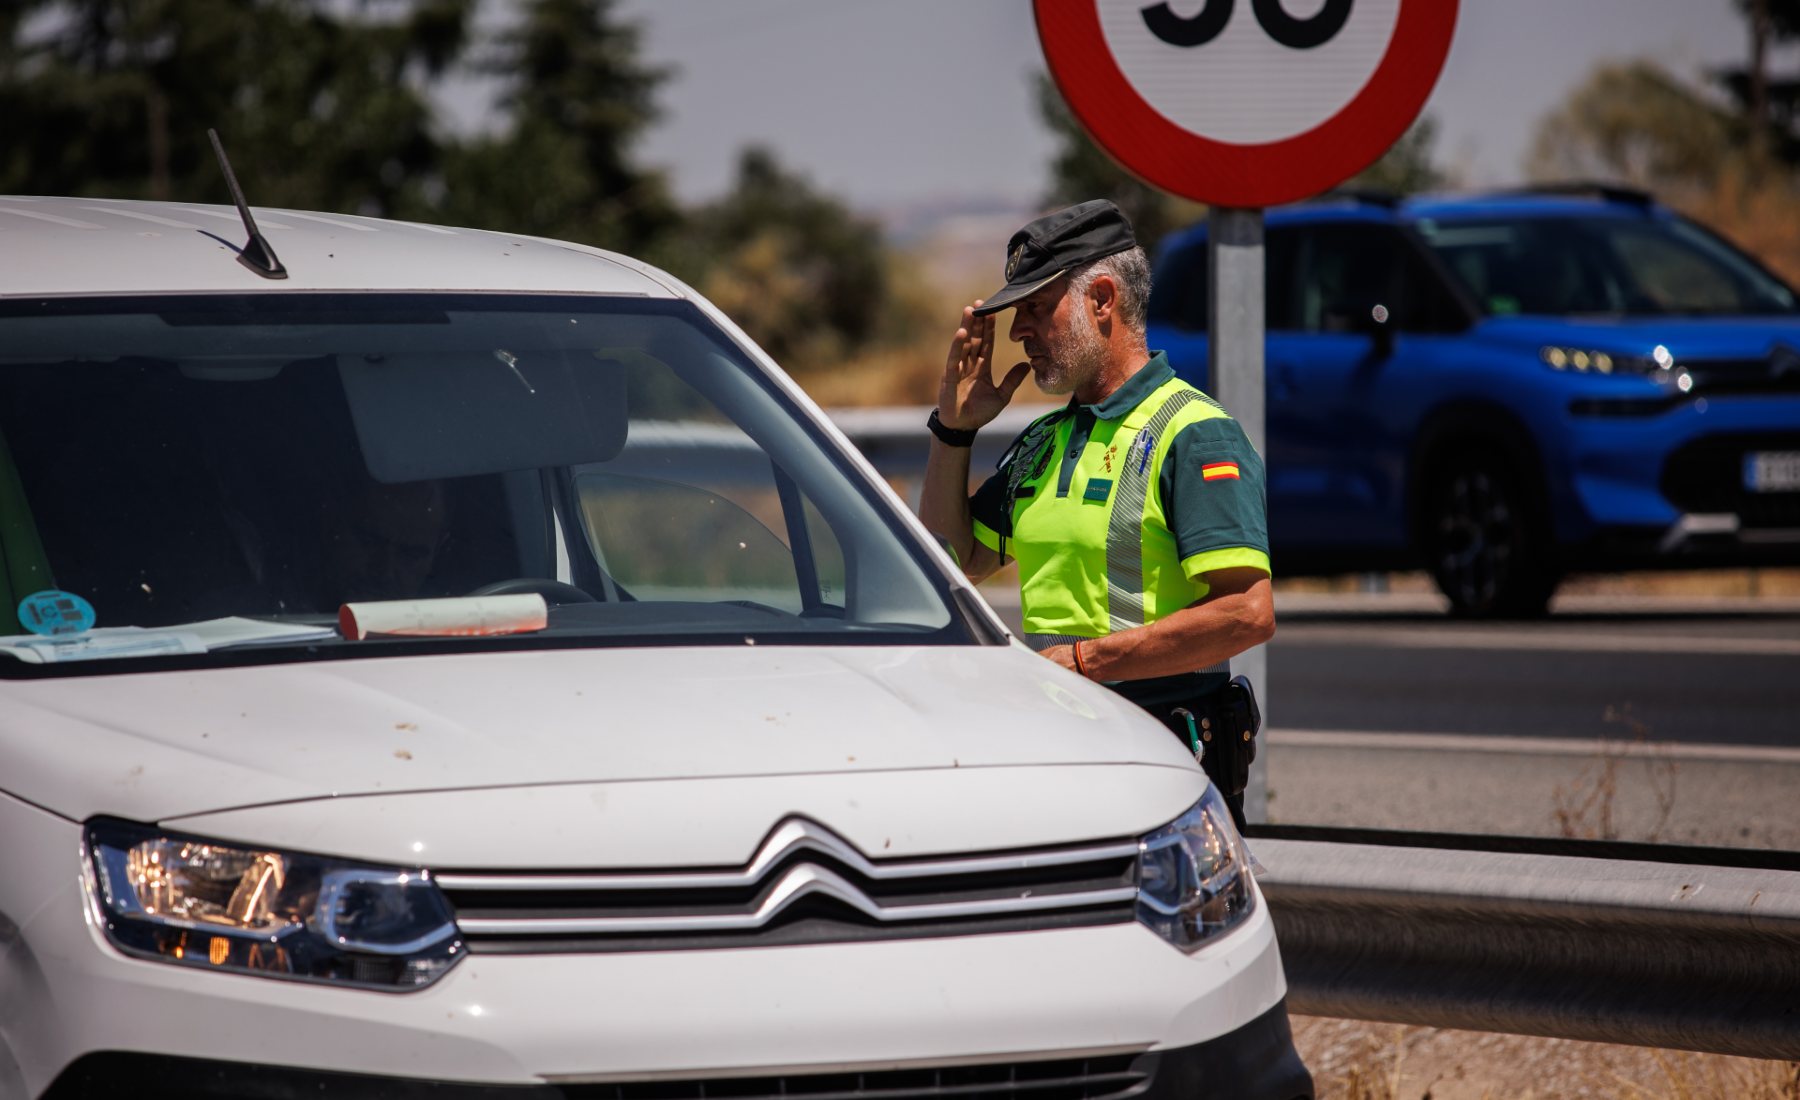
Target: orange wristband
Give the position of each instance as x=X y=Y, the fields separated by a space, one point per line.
x=1079 y=667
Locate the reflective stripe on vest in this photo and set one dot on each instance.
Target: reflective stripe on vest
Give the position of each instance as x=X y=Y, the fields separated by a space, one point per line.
x=1125 y=528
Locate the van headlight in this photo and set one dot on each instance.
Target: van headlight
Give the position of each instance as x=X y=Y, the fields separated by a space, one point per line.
x=215 y=906
x=1193 y=876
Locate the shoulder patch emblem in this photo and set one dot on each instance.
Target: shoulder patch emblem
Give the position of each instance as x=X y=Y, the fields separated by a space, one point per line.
x=1219 y=471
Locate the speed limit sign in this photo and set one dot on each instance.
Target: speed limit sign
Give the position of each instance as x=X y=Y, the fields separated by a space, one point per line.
x=1245 y=103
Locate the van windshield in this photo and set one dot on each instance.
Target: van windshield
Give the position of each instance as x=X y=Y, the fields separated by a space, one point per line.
x=185 y=477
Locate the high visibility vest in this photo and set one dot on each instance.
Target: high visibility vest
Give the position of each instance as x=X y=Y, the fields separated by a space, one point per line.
x=1099 y=548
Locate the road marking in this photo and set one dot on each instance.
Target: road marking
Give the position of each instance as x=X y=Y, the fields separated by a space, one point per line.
x=1394 y=741
x=1542 y=639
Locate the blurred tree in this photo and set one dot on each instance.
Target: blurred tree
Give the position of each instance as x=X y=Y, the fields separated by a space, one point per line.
x=807 y=278
x=1770 y=106
x=113 y=97
x=575 y=98
x=1635 y=123
x=1408 y=166
x=1082 y=170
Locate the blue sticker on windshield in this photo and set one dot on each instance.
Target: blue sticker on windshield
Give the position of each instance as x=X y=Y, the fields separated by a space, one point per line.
x=52 y=612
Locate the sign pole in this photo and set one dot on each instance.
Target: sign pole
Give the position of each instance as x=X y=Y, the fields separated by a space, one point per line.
x=1243 y=107
x=1234 y=313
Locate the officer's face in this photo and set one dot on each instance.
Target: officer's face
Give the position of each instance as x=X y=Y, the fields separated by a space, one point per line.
x=1060 y=337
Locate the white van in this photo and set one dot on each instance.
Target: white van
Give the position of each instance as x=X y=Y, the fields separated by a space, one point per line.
x=467 y=664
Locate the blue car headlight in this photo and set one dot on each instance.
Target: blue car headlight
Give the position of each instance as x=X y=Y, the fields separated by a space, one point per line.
x=1659 y=366
x=1193 y=876
x=251 y=910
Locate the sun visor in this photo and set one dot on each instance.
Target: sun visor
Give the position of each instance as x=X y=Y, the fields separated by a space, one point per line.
x=437 y=414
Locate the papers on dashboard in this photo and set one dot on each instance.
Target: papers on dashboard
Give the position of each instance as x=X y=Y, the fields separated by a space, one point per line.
x=106 y=642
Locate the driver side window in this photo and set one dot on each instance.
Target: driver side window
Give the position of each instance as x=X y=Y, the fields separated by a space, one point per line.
x=725 y=535
x=1347 y=270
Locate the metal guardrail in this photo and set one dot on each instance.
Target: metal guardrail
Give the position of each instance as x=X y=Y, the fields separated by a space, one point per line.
x=1640 y=950
x=1695 y=949
x=895 y=441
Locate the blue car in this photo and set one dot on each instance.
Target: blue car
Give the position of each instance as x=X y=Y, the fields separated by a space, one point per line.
x=1504 y=389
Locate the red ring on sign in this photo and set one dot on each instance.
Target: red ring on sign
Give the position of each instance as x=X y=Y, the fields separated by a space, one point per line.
x=1178 y=160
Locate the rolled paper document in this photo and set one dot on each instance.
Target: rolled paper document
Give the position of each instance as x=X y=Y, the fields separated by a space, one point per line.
x=456 y=617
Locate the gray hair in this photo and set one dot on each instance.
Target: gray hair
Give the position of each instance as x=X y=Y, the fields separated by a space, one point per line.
x=1130 y=272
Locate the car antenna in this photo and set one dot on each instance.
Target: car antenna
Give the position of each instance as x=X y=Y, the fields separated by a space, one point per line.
x=256 y=253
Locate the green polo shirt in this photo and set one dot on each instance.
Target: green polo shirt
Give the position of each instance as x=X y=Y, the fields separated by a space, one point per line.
x=1178 y=472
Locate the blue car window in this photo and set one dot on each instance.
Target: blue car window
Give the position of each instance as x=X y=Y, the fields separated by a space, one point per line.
x=1635 y=266
x=1178 y=296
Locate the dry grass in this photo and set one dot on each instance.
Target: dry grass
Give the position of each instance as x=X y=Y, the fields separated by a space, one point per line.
x=908 y=373
x=1583 y=806
x=1353 y=1060
x=1760 y=211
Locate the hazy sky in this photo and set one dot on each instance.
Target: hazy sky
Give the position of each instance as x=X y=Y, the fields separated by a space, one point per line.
x=891 y=102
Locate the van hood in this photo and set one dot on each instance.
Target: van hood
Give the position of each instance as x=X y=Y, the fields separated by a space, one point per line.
x=151 y=746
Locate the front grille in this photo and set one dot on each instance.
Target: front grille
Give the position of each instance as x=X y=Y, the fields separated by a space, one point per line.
x=1776 y=373
x=1114 y=1077
x=805 y=885
x=1707 y=476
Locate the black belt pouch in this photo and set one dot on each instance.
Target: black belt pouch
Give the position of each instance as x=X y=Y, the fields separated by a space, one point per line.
x=1226 y=720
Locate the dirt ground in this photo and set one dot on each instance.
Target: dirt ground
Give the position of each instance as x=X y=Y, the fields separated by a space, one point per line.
x=1354 y=1060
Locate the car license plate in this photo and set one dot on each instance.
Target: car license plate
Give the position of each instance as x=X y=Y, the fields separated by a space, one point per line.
x=1772 y=471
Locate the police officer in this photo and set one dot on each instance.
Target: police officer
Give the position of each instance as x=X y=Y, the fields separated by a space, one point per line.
x=1135 y=512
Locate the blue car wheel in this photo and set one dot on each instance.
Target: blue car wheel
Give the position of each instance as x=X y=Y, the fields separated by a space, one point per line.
x=1486 y=539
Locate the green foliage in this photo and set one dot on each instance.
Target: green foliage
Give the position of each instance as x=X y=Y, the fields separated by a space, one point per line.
x=114 y=97
x=1082 y=170
x=805 y=277
x=575 y=100
x=1636 y=123
x=327 y=105
x=1768 y=105
x=1408 y=166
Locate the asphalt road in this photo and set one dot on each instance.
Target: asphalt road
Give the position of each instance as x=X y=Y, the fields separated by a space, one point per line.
x=1718 y=673
x=1722 y=672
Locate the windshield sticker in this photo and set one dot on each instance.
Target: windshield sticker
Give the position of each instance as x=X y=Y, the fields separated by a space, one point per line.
x=56 y=613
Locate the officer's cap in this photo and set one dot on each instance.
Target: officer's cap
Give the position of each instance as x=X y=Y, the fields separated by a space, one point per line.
x=1057 y=243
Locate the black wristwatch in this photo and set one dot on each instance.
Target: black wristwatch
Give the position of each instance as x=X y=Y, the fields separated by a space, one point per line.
x=954 y=437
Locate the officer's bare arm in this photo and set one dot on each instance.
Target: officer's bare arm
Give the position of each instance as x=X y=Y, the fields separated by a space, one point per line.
x=968 y=398
x=944 y=509
x=1237 y=613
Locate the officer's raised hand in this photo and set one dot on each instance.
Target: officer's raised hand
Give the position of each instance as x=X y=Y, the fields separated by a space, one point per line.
x=968 y=397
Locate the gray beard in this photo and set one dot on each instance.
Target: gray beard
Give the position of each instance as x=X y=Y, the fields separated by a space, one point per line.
x=1075 y=361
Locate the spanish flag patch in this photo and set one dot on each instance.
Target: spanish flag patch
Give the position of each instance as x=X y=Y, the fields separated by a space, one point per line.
x=1219 y=471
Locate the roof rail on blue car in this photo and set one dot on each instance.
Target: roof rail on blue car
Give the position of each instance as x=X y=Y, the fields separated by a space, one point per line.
x=1373 y=196
x=1610 y=192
